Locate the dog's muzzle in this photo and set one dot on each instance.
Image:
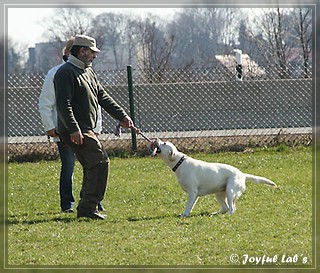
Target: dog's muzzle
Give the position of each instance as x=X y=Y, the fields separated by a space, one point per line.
x=154 y=148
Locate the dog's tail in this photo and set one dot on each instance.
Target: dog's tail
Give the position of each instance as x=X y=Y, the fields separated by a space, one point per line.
x=260 y=180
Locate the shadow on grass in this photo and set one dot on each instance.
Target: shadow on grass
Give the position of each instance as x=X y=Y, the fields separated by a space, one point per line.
x=158 y=217
x=67 y=218
x=57 y=217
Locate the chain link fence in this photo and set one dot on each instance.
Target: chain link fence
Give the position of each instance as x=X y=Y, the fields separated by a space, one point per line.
x=205 y=110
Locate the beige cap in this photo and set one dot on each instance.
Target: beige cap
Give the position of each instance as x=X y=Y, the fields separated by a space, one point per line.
x=83 y=40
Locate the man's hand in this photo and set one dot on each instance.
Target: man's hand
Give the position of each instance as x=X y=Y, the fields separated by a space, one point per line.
x=76 y=138
x=52 y=133
x=127 y=122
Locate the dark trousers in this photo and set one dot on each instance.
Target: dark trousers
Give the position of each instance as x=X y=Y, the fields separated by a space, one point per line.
x=95 y=164
x=66 y=176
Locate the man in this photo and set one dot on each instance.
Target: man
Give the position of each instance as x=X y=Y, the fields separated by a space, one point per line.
x=48 y=113
x=78 y=94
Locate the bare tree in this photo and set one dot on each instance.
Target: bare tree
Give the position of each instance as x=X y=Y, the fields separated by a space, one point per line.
x=274 y=39
x=273 y=27
x=247 y=42
x=67 y=22
x=16 y=56
x=109 y=30
x=229 y=19
x=130 y=39
x=303 y=28
x=153 y=46
x=202 y=33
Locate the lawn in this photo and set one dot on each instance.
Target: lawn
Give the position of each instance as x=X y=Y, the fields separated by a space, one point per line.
x=271 y=227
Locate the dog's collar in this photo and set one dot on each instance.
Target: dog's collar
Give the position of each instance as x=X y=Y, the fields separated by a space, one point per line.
x=179 y=163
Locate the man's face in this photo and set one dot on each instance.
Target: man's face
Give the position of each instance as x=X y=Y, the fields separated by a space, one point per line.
x=87 y=56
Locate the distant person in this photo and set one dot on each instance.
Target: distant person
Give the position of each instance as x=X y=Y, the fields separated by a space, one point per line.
x=48 y=112
x=78 y=94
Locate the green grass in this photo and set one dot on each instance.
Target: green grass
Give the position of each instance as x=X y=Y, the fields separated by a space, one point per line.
x=143 y=200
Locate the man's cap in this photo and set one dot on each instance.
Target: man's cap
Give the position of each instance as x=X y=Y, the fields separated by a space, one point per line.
x=86 y=41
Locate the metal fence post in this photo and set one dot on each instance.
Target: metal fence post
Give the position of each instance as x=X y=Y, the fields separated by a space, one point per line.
x=131 y=101
x=239 y=64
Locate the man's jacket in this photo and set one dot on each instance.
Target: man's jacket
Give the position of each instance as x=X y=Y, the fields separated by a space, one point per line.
x=78 y=94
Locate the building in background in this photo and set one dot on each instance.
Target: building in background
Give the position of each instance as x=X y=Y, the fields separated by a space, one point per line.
x=44 y=56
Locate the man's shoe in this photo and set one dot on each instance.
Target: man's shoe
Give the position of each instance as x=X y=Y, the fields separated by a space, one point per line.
x=92 y=215
x=100 y=207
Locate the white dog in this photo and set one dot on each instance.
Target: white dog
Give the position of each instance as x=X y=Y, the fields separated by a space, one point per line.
x=199 y=178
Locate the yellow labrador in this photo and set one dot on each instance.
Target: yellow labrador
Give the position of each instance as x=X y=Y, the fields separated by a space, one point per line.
x=199 y=178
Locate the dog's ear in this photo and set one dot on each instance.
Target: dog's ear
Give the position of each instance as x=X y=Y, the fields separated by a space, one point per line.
x=172 y=154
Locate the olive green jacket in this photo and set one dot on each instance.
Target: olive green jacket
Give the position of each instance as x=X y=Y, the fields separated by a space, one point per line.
x=78 y=94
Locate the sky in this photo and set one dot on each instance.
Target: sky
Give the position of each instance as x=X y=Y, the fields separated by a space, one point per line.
x=25 y=24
